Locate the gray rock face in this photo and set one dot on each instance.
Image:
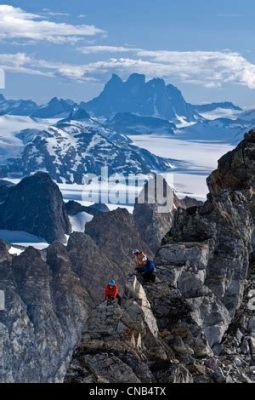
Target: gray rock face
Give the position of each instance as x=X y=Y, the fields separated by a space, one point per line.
x=36 y=206
x=155 y=208
x=195 y=254
x=47 y=298
x=92 y=265
x=164 y=334
x=217 y=238
x=123 y=345
x=154 y=211
x=45 y=309
x=116 y=235
x=155 y=336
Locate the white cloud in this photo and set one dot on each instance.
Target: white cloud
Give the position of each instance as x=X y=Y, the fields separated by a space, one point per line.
x=47 y=11
x=21 y=63
x=16 y=23
x=107 y=49
x=213 y=68
x=28 y=64
x=208 y=69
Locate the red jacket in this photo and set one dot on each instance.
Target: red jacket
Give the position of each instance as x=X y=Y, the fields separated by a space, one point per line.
x=111 y=291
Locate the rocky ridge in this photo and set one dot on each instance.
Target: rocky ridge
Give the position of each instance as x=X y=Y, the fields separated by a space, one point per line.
x=200 y=308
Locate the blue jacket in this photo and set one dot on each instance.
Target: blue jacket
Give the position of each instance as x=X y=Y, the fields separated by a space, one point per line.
x=149 y=267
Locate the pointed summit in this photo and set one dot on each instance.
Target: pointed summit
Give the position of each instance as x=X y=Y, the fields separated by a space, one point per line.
x=54 y=100
x=55 y=108
x=116 y=77
x=112 y=86
x=115 y=80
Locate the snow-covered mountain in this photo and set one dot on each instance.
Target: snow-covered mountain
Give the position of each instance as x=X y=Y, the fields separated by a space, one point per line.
x=55 y=108
x=217 y=130
x=74 y=147
x=229 y=129
x=16 y=107
x=135 y=106
x=69 y=141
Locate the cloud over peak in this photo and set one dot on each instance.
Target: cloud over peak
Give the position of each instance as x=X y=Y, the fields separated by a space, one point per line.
x=207 y=69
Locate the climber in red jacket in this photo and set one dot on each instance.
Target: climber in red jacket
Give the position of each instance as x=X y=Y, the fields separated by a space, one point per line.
x=112 y=292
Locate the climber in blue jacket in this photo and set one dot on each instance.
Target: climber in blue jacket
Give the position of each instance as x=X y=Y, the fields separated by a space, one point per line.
x=144 y=266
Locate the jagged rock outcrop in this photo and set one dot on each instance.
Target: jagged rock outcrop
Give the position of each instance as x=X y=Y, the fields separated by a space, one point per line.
x=123 y=344
x=35 y=205
x=185 y=264
x=159 y=335
x=116 y=235
x=154 y=211
x=202 y=303
x=226 y=221
x=45 y=306
x=47 y=296
x=223 y=230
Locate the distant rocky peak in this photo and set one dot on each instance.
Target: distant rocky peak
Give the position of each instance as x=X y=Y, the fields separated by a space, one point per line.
x=152 y=98
x=54 y=100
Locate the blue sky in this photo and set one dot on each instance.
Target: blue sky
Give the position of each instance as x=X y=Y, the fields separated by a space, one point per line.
x=70 y=48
